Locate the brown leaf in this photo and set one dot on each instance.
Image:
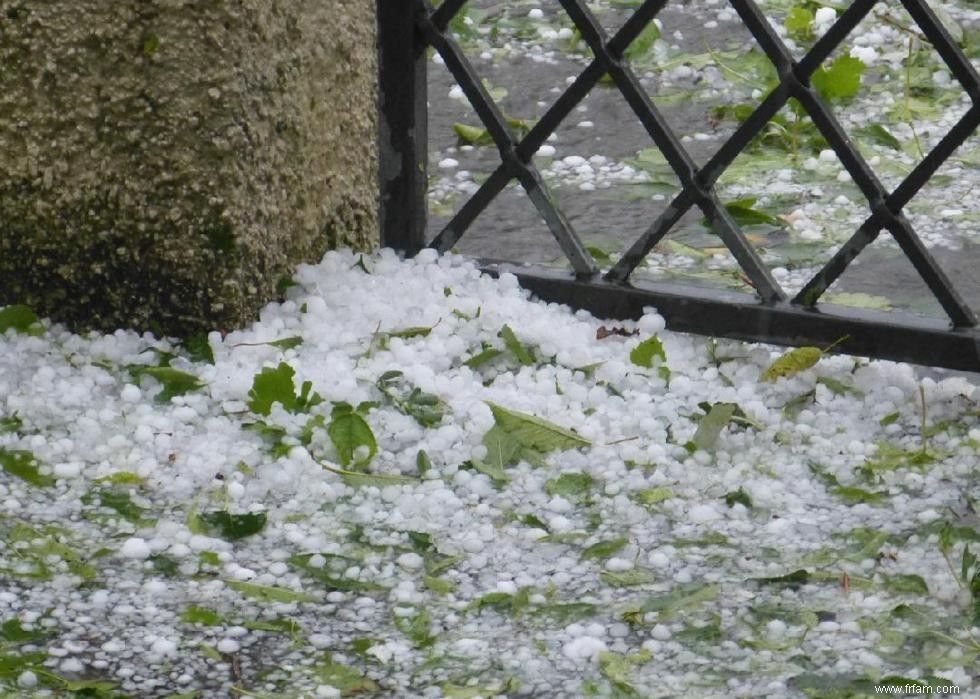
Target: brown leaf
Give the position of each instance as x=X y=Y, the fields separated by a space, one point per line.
x=603 y=332
x=845 y=582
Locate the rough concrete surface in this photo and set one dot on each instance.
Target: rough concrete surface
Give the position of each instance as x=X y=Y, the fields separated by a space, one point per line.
x=164 y=164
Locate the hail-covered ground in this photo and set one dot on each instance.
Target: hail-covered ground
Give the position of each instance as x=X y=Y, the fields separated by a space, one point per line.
x=885 y=84
x=408 y=479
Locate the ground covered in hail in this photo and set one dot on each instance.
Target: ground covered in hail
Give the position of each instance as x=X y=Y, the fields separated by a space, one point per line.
x=409 y=479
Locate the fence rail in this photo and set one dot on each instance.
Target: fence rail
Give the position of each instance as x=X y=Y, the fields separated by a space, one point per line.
x=408 y=28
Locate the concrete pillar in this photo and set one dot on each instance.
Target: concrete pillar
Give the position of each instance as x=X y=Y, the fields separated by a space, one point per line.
x=165 y=163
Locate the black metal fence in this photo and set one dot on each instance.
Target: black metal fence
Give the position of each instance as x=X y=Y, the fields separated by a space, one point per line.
x=407 y=28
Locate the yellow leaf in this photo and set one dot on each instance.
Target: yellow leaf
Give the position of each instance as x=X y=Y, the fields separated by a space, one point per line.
x=793 y=362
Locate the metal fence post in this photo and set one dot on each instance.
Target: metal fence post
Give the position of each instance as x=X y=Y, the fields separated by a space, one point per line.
x=403 y=126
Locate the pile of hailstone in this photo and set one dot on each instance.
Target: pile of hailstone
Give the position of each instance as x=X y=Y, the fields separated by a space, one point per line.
x=410 y=479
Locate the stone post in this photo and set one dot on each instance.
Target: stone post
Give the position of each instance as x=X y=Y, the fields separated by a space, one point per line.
x=164 y=164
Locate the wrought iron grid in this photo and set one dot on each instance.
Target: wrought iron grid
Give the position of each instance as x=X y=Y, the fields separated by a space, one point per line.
x=408 y=27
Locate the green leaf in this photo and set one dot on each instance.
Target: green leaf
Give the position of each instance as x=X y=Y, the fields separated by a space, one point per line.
x=653 y=496
x=11 y=423
x=905 y=584
x=487 y=355
x=348 y=431
x=201 y=615
x=422 y=462
x=18 y=317
x=286 y=626
x=119 y=500
x=331 y=573
x=492 y=471
x=571 y=486
x=23 y=465
x=273 y=386
x=711 y=425
x=503 y=449
x=793 y=362
x=440 y=586
x=648 y=350
x=853 y=495
x=738 y=496
x=522 y=353
x=427 y=409
x=268 y=593
x=472 y=135
x=856 y=299
x=567 y=613
x=839 y=81
x=234 y=527
x=745 y=214
x=175 y=383
x=349 y=680
x=11 y=666
x=643 y=43
x=618 y=668
x=681 y=600
x=799 y=23
x=794 y=579
x=838 y=388
x=410 y=332
x=454 y=691
x=417 y=628
x=12 y=632
x=199 y=348
x=709 y=633
x=627 y=578
x=603 y=549
x=357 y=479
x=880 y=135
x=123 y=478
x=502 y=602
x=286 y=342
x=534 y=433
x=164 y=565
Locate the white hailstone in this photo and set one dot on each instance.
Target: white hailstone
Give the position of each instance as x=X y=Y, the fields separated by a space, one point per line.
x=228 y=645
x=448 y=164
x=658 y=559
x=660 y=632
x=617 y=565
x=776 y=628
x=410 y=561
x=326 y=691
x=319 y=640
x=866 y=54
x=68 y=469
x=71 y=665
x=546 y=151
x=824 y=16
x=135 y=548
x=235 y=490
x=574 y=160
x=535 y=13
x=155 y=587
x=583 y=649
x=27 y=680
x=472 y=544
x=456 y=93
x=131 y=393
x=164 y=647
